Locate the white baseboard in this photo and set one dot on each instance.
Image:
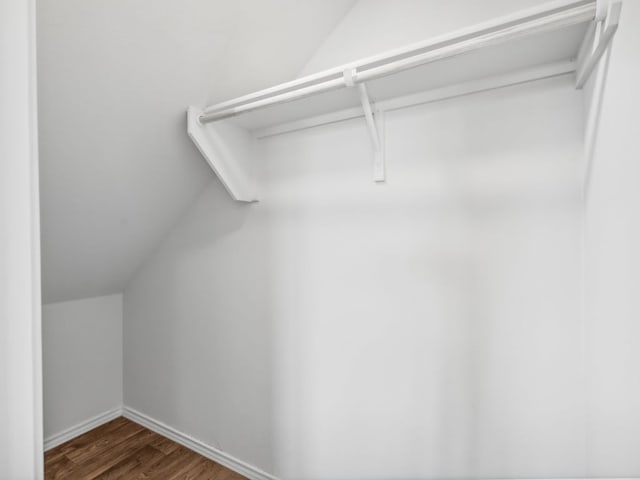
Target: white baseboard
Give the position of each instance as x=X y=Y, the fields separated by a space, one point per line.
x=82 y=427
x=232 y=463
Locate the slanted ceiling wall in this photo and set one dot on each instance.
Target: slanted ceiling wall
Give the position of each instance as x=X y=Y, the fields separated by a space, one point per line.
x=115 y=79
x=393 y=24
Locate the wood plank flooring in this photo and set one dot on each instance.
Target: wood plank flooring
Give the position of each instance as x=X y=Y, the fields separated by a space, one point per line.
x=122 y=449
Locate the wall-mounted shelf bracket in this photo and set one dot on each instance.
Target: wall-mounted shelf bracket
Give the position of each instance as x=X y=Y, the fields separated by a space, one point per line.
x=379 y=170
x=229 y=151
x=375 y=124
x=597 y=39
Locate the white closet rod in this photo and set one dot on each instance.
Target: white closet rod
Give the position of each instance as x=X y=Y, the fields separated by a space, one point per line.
x=561 y=13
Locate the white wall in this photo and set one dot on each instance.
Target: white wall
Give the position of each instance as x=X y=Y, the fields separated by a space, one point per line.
x=20 y=349
x=82 y=352
x=613 y=263
x=429 y=327
x=341 y=329
x=198 y=331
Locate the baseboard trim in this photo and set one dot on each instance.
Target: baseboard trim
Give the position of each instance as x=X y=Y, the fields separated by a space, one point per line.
x=82 y=427
x=212 y=453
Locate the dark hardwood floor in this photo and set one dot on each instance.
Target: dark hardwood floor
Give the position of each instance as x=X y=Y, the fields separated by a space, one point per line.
x=125 y=450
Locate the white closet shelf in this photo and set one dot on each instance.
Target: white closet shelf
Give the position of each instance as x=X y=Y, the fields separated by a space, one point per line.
x=556 y=38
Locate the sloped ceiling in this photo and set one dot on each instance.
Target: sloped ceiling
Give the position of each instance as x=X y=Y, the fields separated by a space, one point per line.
x=115 y=77
x=398 y=23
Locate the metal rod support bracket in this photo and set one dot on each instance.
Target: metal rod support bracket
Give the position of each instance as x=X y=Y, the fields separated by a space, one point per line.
x=374 y=133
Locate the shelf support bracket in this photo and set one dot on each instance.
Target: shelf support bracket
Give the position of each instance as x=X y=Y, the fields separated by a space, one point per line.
x=229 y=151
x=369 y=117
x=597 y=40
x=375 y=124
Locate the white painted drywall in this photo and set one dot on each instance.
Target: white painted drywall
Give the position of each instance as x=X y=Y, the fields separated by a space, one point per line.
x=427 y=327
x=82 y=352
x=613 y=263
x=20 y=348
x=116 y=79
x=198 y=336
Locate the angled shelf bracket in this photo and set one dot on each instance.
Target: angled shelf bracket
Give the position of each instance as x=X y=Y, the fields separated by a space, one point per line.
x=229 y=151
x=375 y=123
x=597 y=39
